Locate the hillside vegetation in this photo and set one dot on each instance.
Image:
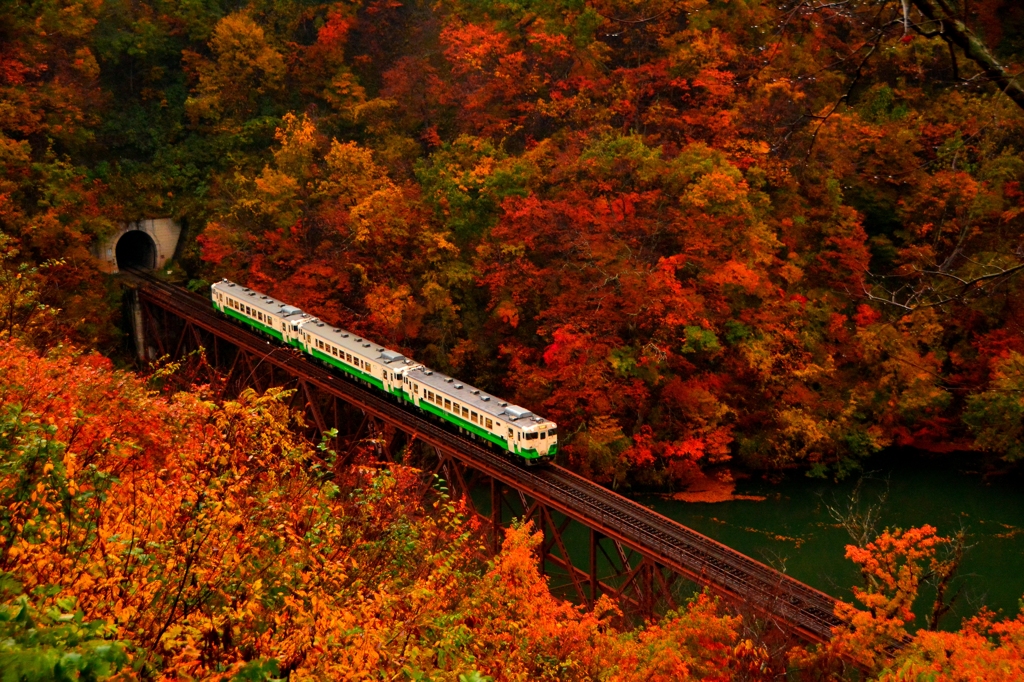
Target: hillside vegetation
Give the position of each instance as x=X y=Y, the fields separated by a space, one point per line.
x=689 y=231
x=147 y=535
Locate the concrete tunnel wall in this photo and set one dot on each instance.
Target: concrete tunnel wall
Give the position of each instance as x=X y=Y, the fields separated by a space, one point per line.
x=163 y=232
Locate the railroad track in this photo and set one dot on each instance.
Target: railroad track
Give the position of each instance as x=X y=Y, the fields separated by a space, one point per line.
x=809 y=612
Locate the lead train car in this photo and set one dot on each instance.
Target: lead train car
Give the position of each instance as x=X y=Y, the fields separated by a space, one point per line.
x=513 y=429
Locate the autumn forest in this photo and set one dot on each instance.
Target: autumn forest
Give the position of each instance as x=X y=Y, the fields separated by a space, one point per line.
x=777 y=238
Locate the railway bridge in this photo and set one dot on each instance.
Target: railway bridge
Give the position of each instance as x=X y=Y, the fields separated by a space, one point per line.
x=633 y=554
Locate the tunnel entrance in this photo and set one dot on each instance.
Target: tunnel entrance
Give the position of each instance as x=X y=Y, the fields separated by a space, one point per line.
x=135 y=249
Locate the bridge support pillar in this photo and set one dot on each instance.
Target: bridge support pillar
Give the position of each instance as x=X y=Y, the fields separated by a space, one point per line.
x=138 y=330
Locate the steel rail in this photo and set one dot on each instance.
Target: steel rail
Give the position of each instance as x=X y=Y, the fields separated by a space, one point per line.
x=807 y=611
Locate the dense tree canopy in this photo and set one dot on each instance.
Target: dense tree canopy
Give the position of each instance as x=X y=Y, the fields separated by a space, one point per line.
x=691 y=232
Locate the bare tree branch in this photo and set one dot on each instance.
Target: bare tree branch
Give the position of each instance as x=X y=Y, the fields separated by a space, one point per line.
x=956 y=31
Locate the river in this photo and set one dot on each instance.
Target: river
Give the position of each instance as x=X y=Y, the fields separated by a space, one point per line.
x=792 y=530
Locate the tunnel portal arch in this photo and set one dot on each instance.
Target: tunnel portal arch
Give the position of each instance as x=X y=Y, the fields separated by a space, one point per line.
x=148 y=244
x=135 y=249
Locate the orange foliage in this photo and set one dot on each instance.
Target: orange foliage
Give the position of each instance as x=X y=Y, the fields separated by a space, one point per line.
x=213 y=542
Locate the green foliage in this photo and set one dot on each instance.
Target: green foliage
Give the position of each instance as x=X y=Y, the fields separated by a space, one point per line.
x=474 y=676
x=465 y=182
x=624 y=159
x=258 y=671
x=53 y=643
x=880 y=106
x=736 y=332
x=700 y=340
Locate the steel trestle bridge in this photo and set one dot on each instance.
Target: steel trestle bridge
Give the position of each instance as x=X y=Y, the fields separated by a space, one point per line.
x=639 y=557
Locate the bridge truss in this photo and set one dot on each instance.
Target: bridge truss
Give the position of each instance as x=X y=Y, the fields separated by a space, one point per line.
x=638 y=557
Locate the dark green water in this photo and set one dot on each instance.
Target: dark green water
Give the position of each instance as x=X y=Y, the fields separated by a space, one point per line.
x=793 y=531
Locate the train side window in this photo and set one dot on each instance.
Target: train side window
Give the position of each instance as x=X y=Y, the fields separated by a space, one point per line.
x=488 y=423
x=348 y=356
x=465 y=412
x=437 y=399
x=510 y=432
x=415 y=388
x=447 y=404
x=474 y=417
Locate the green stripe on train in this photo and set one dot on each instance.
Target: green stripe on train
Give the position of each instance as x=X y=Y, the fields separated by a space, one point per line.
x=334 y=362
x=230 y=312
x=459 y=421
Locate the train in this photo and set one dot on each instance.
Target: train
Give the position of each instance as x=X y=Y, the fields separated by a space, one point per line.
x=517 y=432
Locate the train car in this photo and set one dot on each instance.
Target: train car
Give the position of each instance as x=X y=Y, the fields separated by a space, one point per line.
x=263 y=313
x=361 y=359
x=531 y=439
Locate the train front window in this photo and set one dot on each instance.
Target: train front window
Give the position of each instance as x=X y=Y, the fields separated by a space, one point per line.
x=553 y=431
x=531 y=436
